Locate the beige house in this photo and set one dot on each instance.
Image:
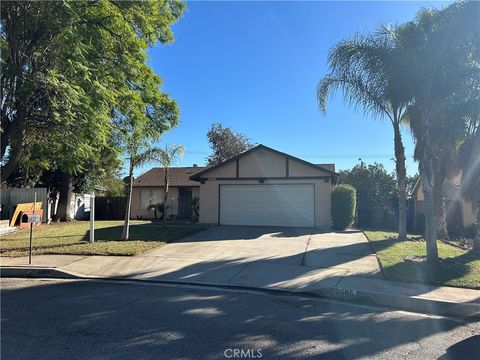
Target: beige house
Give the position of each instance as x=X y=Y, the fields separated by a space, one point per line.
x=459 y=211
x=148 y=190
x=266 y=187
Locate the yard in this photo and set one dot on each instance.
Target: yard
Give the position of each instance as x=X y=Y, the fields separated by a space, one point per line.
x=72 y=238
x=457 y=267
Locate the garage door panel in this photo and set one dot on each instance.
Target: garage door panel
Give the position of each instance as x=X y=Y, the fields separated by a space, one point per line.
x=267 y=205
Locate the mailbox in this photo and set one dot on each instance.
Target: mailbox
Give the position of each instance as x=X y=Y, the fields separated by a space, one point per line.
x=31 y=218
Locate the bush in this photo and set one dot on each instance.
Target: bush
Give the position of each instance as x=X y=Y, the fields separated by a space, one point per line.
x=344 y=202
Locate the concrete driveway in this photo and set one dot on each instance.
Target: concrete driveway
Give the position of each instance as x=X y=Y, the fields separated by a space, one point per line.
x=264 y=256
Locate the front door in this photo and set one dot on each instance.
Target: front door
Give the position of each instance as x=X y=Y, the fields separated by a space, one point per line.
x=185 y=203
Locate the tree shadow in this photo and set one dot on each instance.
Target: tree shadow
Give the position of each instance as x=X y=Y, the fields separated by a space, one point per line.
x=445 y=270
x=142 y=232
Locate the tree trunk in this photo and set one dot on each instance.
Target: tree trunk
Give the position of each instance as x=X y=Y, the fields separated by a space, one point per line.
x=165 y=197
x=66 y=190
x=126 y=225
x=401 y=181
x=439 y=207
x=430 y=228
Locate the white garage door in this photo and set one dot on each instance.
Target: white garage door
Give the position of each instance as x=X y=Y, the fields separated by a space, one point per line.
x=267 y=205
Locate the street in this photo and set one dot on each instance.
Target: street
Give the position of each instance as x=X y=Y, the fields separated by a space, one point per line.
x=60 y=319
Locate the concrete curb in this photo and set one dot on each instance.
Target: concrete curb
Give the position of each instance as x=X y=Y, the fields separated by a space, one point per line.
x=468 y=311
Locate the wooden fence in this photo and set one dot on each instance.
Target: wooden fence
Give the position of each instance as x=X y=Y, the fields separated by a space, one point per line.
x=110 y=208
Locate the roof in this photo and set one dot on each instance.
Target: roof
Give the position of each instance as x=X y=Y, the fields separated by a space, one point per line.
x=261 y=146
x=178 y=176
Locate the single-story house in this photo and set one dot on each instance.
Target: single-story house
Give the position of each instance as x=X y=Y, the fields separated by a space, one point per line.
x=148 y=190
x=459 y=211
x=266 y=187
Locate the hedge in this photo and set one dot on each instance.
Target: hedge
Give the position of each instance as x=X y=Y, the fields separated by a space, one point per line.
x=344 y=202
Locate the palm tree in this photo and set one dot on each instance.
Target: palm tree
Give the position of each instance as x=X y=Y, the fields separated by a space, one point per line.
x=167 y=157
x=138 y=155
x=368 y=69
x=442 y=51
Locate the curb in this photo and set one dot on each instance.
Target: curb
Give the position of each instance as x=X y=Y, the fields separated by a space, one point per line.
x=467 y=311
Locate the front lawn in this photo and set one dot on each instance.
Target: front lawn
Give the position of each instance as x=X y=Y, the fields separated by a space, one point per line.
x=456 y=268
x=72 y=238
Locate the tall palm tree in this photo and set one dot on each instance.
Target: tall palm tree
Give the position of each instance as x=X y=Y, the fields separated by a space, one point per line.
x=368 y=70
x=442 y=64
x=168 y=156
x=137 y=156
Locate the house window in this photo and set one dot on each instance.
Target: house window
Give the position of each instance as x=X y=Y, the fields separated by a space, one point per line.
x=150 y=197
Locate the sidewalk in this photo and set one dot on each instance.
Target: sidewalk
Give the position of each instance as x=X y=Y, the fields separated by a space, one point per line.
x=331 y=283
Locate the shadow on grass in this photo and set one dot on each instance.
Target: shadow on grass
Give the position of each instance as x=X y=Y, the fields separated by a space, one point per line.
x=448 y=269
x=142 y=232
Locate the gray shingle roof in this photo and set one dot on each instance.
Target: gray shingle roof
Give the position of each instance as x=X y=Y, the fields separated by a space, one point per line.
x=178 y=176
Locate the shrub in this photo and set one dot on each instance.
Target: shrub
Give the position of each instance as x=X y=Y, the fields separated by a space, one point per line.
x=344 y=201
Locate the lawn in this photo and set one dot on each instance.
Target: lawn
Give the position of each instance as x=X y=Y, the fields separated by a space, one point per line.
x=456 y=268
x=72 y=238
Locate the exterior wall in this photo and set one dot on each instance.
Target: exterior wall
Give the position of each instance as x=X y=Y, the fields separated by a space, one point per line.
x=209 y=198
x=262 y=163
x=296 y=168
x=468 y=213
x=228 y=170
x=452 y=194
x=137 y=211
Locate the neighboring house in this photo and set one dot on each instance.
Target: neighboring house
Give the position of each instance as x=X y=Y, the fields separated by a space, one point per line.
x=266 y=187
x=460 y=212
x=148 y=190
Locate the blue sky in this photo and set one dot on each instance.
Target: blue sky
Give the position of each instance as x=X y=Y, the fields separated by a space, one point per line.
x=254 y=66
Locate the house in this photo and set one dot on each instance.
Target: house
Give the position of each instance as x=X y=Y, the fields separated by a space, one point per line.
x=148 y=190
x=459 y=211
x=266 y=187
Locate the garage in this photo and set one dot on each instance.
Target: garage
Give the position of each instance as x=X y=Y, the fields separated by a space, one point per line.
x=268 y=205
x=265 y=187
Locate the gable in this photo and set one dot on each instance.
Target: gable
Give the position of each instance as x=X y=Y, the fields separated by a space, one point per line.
x=264 y=162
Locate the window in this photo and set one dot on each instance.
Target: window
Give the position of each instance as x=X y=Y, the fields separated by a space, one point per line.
x=150 y=197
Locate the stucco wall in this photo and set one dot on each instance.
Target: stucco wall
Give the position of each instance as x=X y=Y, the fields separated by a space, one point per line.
x=468 y=213
x=452 y=193
x=262 y=163
x=296 y=168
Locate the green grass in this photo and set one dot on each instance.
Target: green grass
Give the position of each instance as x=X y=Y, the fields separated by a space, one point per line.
x=72 y=238
x=457 y=267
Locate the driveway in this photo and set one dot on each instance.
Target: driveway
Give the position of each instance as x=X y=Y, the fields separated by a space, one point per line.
x=300 y=259
x=264 y=256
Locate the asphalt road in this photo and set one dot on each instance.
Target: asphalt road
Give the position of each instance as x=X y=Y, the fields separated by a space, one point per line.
x=101 y=320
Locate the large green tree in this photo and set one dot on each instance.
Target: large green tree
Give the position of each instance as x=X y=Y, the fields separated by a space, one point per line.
x=68 y=69
x=376 y=194
x=225 y=144
x=368 y=71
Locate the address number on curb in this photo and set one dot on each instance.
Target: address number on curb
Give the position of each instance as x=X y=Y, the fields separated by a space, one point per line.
x=344 y=292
